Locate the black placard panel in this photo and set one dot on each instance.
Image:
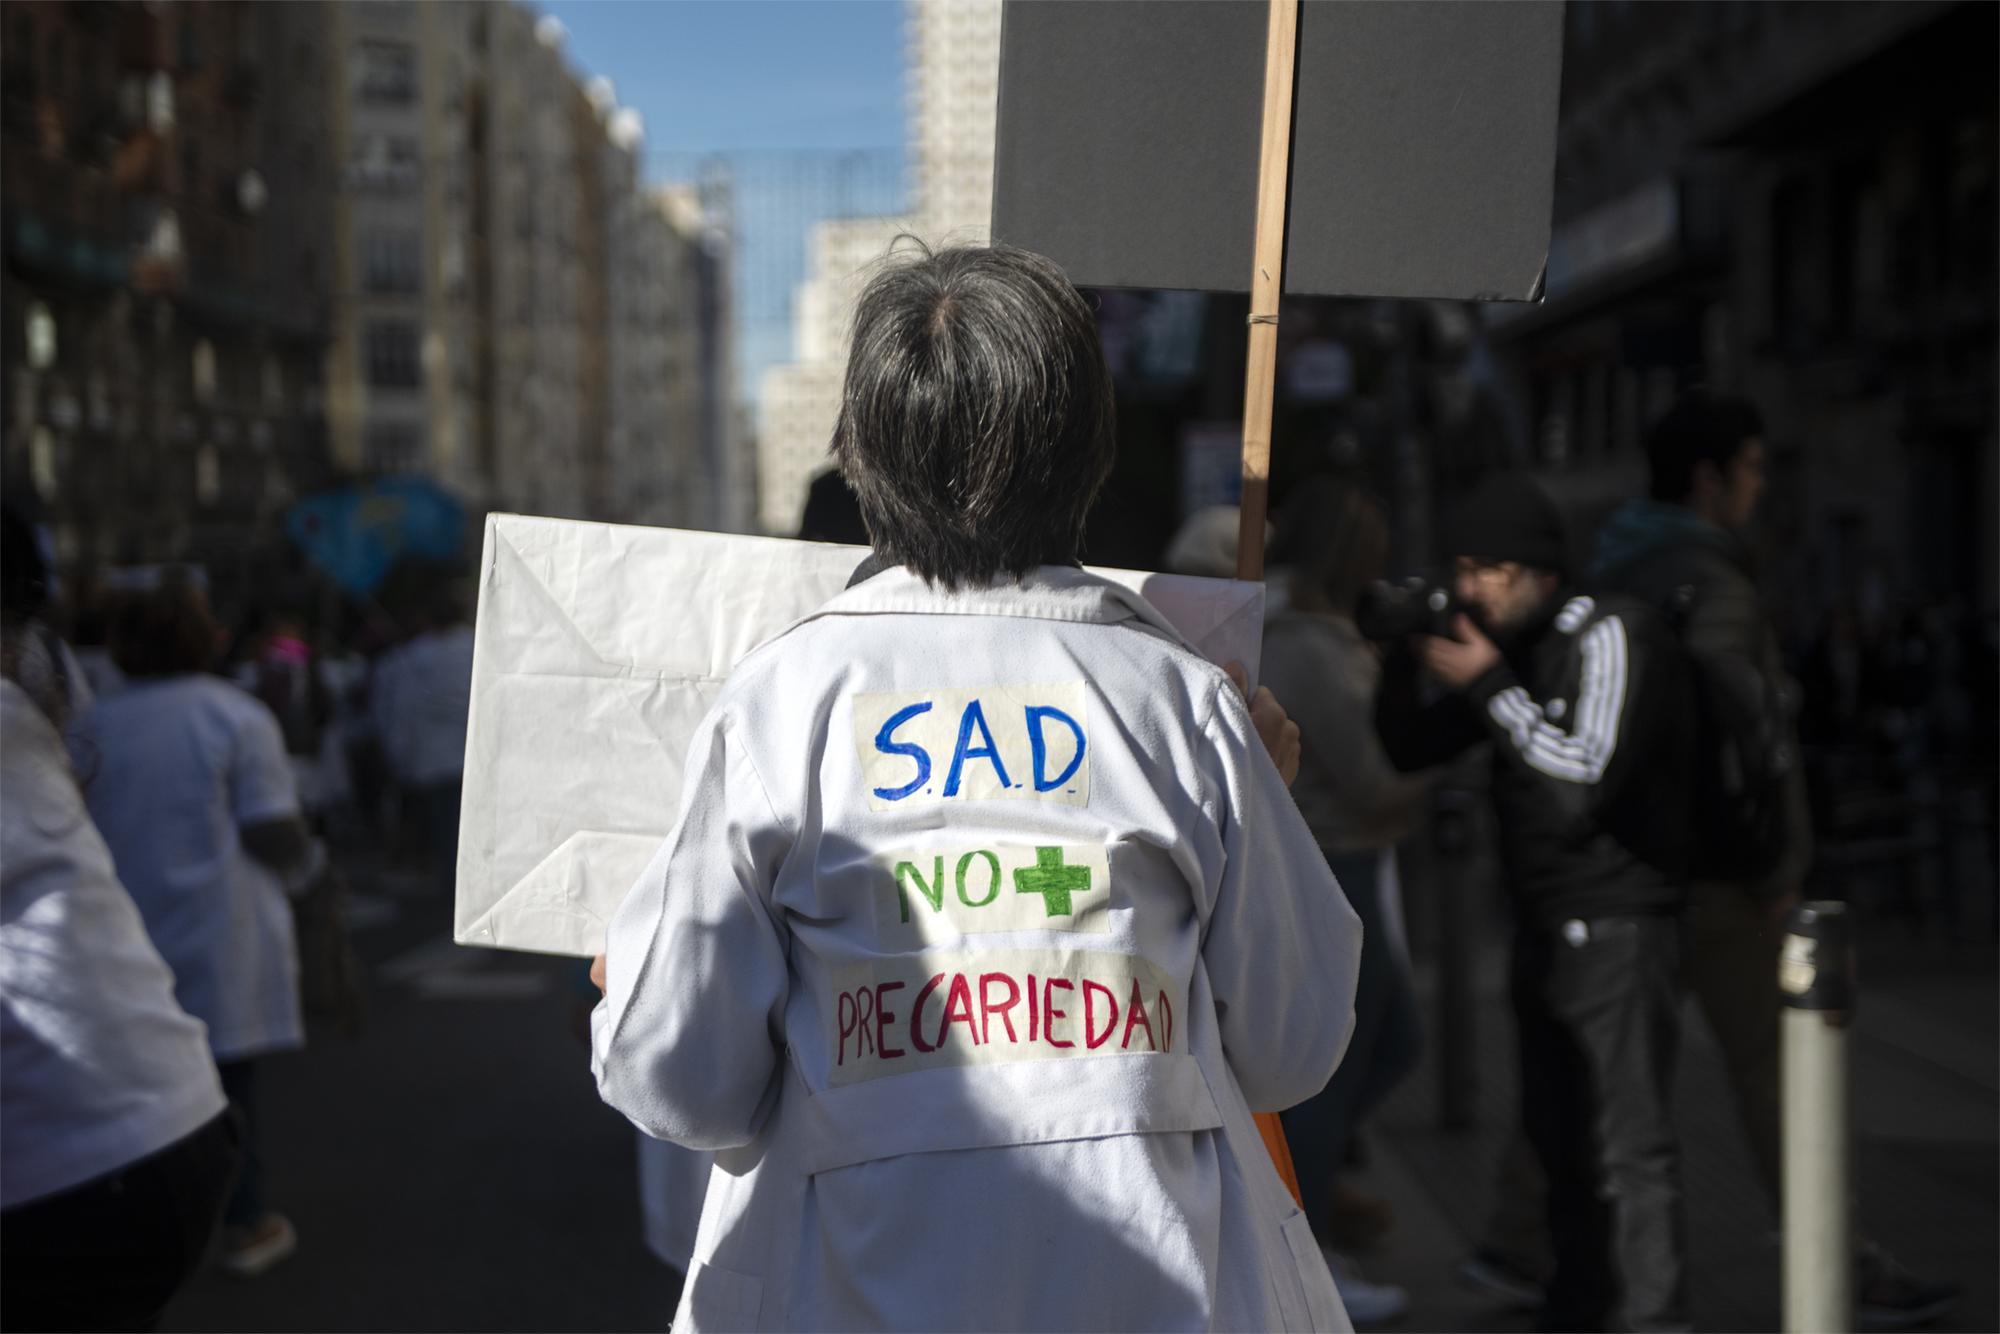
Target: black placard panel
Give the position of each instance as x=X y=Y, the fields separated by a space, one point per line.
x=1423 y=143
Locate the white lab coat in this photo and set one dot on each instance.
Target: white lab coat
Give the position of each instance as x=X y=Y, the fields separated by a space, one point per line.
x=420 y=697
x=909 y=818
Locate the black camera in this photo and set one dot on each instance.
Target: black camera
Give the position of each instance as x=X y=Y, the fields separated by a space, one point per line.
x=1392 y=609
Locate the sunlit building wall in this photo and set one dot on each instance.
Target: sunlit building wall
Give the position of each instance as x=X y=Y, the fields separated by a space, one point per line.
x=720 y=481
x=800 y=401
x=402 y=372
x=954 y=53
x=953 y=49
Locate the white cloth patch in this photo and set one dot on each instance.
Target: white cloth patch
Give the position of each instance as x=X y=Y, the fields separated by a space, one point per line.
x=921 y=1012
x=1027 y=742
x=936 y=894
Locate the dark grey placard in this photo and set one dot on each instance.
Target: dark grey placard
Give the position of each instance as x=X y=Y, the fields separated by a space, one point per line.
x=1423 y=143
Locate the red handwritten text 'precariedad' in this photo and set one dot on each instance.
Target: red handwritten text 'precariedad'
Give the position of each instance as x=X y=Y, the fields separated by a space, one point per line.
x=976 y=1011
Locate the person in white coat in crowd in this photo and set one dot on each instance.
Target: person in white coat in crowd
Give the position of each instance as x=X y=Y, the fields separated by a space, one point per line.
x=118 y=1150
x=987 y=922
x=420 y=697
x=187 y=778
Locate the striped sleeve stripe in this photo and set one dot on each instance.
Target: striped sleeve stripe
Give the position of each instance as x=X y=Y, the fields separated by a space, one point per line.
x=1580 y=756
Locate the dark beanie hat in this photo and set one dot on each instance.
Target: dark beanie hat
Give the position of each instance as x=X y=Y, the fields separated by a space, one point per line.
x=1508 y=517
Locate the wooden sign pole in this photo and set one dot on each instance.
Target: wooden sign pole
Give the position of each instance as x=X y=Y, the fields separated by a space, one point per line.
x=1267 y=285
x=1267 y=282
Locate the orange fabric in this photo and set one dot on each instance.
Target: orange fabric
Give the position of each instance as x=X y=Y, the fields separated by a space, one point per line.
x=1273 y=1132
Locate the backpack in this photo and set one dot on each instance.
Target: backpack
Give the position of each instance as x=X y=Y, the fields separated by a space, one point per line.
x=1744 y=760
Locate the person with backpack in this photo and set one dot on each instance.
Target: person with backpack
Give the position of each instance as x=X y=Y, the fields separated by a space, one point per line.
x=1681 y=550
x=1584 y=702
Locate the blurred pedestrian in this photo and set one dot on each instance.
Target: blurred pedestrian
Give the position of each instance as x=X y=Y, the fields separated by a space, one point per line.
x=1682 y=549
x=44 y=664
x=187 y=777
x=280 y=667
x=832 y=514
x=88 y=603
x=1205 y=545
x=1333 y=540
x=118 y=1150
x=420 y=696
x=1585 y=703
x=1119 y=836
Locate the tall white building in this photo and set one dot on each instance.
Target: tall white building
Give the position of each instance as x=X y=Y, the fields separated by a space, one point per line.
x=721 y=483
x=800 y=401
x=954 y=54
x=535 y=239
x=953 y=48
x=400 y=382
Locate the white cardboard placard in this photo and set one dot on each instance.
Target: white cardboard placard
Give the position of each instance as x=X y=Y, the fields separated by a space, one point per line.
x=598 y=649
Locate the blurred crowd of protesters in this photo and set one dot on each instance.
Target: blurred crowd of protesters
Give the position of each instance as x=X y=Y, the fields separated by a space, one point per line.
x=171 y=915
x=1655 y=823
x=1663 y=747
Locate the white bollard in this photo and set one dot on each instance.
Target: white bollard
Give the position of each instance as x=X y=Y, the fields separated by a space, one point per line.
x=1816 y=980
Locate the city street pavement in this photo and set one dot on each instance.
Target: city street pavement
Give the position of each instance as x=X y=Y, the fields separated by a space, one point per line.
x=1926 y=1114
x=451 y=1168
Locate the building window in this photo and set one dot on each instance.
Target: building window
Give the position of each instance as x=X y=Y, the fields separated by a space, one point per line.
x=383 y=162
x=395 y=447
x=42 y=462
x=390 y=353
x=207 y=475
x=41 y=333
x=386 y=73
x=1795 y=279
x=161 y=235
x=204 y=371
x=274 y=383
x=391 y=262
x=160 y=102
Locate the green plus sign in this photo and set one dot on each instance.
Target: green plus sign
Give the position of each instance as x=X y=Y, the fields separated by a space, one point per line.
x=1052 y=880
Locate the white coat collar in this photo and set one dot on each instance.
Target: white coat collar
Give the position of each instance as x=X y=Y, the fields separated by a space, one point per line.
x=1049 y=593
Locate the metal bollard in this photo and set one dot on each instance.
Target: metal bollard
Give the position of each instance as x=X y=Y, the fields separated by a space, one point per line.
x=1816 y=980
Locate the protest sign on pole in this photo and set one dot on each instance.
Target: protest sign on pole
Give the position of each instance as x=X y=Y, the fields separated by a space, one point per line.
x=1400 y=150
x=1267 y=279
x=1422 y=144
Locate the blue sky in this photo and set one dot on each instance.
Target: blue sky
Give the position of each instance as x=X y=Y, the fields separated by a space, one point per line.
x=803 y=98
x=729 y=75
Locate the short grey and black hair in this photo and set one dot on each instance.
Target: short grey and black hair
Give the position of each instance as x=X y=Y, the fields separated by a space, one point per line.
x=976 y=423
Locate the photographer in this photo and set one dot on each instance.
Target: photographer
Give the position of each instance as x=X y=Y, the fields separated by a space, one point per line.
x=1587 y=706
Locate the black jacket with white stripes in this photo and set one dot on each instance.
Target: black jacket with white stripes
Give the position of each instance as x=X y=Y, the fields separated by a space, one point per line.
x=1591 y=718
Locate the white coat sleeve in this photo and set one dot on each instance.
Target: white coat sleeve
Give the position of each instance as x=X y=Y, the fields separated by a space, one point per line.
x=1283 y=946
x=688 y=1040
